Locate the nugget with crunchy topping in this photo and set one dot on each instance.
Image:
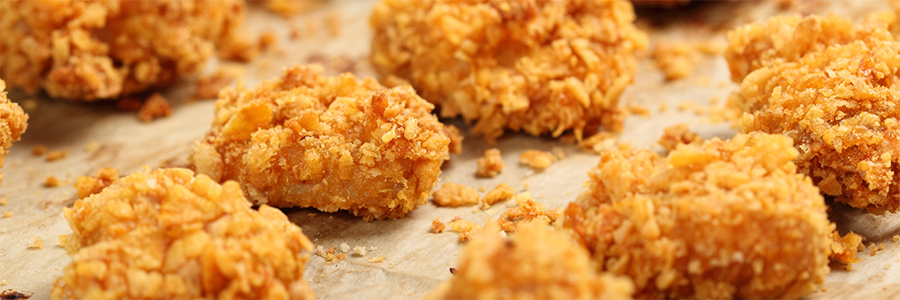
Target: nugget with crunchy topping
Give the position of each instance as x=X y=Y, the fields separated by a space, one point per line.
x=169 y=234
x=534 y=66
x=721 y=220
x=333 y=143
x=13 y=123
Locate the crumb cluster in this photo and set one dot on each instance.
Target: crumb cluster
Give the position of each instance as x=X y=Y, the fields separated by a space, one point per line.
x=722 y=220
x=833 y=87
x=168 y=234
x=333 y=143
x=90 y=50
x=535 y=66
x=452 y=194
x=490 y=164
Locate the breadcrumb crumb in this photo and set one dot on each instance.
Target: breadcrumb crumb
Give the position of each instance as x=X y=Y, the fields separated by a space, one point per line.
x=156 y=106
x=38 y=243
x=51 y=181
x=527 y=209
x=467 y=229
x=359 y=250
x=38 y=150
x=7 y=214
x=91 y=146
x=677 y=135
x=437 y=226
x=536 y=159
x=453 y=195
x=377 y=259
x=491 y=164
x=5 y=201
x=500 y=193
x=345 y=248
x=62 y=240
x=57 y=155
x=844 y=249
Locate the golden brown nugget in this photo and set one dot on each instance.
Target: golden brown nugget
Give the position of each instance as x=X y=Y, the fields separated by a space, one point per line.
x=721 y=220
x=535 y=263
x=89 y=50
x=13 y=123
x=333 y=143
x=834 y=88
x=168 y=234
x=534 y=66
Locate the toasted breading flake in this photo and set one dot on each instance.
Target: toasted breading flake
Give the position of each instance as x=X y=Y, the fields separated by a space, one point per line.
x=491 y=164
x=467 y=229
x=536 y=159
x=156 y=106
x=534 y=66
x=831 y=86
x=500 y=193
x=37 y=243
x=333 y=143
x=722 y=220
x=452 y=194
x=677 y=135
x=377 y=259
x=359 y=250
x=4 y=200
x=92 y=50
x=437 y=226
x=172 y=235
x=527 y=209
x=39 y=150
x=57 y=155
x=844 y=248
x=535 y=263
x=52 y=181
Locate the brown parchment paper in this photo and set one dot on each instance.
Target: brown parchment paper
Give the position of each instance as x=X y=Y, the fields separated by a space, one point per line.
x=416 y=260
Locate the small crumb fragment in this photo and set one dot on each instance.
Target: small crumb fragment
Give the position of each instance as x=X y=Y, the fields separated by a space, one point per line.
x=527 y=185
x=491 y=164
x=377 y=259
x=527 y=209
x=536 y=159
x=675 y=59
x=341 y=256
x=51 y=181
x=437 y=226
x=599 y=142
x=453 y=195
x=38 y=243
x=844 y=249
x=638 y=110
x=500 y=193
x=91 y=146
x=320 y=251
x=895 y=238
x=266 y=40
x=312 y=215
x=333 y=23
x=208 y=87
x=558 y=152
x=467 y=229
x=4 y=282
x=56 y=155
x=663 y=107
x=7 y=214
x=677 y=135
x=359 y=250
x=38 y=150
x=329 y=256
x=345 y=248
x=5 y=201
x=62 y=240
x=156 y=106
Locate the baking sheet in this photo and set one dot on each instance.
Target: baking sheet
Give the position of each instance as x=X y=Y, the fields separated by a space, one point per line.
x=416 y=260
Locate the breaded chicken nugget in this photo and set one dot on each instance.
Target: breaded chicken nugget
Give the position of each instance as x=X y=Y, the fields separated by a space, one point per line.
x=13 y=123
x=835 y=89
x=537 y=66
x=88 y=50
x=535 y=263
x=721 y=220
x=168 y=234
x=333 y=143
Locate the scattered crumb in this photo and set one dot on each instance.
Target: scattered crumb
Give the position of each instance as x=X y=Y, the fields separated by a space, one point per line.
x=341 y=256
x=312 y=215
x=359 y=250
x=91 y=146
x=896 y=238
x=7 y=214
x=266 y=40
x=453 y=195
x=875 y=249
x=207 y=87
x=345 y=248
x=377 y=259
x=843 y=249
x=677 y=135
x=526 y=185
x=887 y=267
x=38 y=150
x=467 y=229
x=51 y=181
x=481 y=189
x=663 y=107
x=329 y=256
x=536 y=159
x=491 y=164
x=500 y=193
x=320 y=251
x=56 y=155
x=156 y=106
x=527 y=209
x=676 y=59
x=38 y=243
x=333 y=23
x=437 y=226
x=4 y=282
x=62 y=240
x=638 y=110
x=558 y=152
x=5 y=201
x=598 y=143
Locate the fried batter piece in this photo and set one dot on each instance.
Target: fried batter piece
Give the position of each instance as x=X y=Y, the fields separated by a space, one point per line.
x=168 y=234
x=13 y=123
x=89 y=50
x=333 y=143
x=536 y=263
x=721 y=220
x=536 y=66
x=832 y=87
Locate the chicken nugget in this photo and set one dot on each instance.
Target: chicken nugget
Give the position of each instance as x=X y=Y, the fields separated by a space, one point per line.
x=721 y=220
x=13 y=123
x=168 y=234
x=89 y=50
x=525 y=65
x=535 y=263
x=333 y=143
x=834 y=88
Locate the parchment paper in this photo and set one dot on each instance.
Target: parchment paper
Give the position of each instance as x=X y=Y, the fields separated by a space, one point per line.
x=416 y=260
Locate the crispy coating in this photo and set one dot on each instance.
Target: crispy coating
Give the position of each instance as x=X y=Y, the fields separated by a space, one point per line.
x=452 y=194
x=13 y=123
x=535 y=263
x=721 y=220
x=832 y=87
x=500 y=193
x=168 y=234
x=535 y=66
x=844 y=248
x=490 y=164
x=333 y=143
x=88 y=50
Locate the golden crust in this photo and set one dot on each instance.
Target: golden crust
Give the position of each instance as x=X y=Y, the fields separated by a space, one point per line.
x=536 y=66
x=721 y=220
x=90 y=50
x=535 y=263
x=333 y=143
x=13 y=123
x=832 y=87
x=168 y=234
